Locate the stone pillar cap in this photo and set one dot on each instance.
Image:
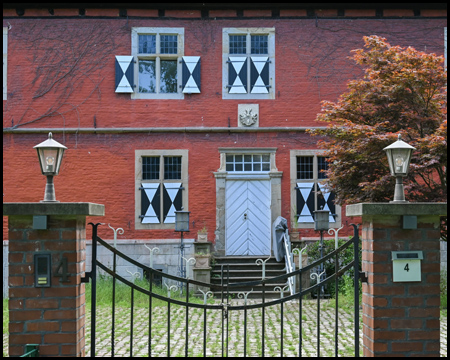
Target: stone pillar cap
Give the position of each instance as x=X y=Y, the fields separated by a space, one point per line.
x=59 y=208
x=413 y=208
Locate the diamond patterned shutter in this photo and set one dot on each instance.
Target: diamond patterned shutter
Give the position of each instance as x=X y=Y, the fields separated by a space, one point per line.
x=124 y=74
x=327 y=201
x=305 y=202
x=191 y=74
x=237 y=75
x=259 y=75
x=150 y=203
x=172 y=201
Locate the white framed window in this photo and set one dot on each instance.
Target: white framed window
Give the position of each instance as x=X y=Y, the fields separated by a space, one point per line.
x=248 y=63
x=247 y=162
x=161 y=187
x=157 y=54
x=308 y=193
x=5 y=62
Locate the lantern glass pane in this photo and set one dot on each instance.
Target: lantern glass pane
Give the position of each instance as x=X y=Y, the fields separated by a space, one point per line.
x=49 y=160
x=181 y=221
x=321 y=220
x=400 y=161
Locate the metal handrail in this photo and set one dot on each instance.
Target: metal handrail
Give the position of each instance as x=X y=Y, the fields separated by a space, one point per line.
x=290 y=266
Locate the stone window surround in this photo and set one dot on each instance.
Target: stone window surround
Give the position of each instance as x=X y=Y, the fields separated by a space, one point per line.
x=225 y=54
x=138 y=180
x=293 y=184
x=221 y=177
x=135 y=32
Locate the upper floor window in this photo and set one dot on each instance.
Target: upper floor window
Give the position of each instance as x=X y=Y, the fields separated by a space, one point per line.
x=157 y=53
x=248 y=69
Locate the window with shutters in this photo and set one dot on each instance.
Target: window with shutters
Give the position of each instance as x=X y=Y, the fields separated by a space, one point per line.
x=161 y=187
x=308 y=191
x=248 y=63
x=158 y=56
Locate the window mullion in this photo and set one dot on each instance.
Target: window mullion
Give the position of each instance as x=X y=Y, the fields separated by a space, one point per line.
x=316 y=180
x=158 y=74
x=248 y=51
x=161 y=182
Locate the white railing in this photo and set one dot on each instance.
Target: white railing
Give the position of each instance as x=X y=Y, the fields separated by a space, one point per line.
x=289 y=260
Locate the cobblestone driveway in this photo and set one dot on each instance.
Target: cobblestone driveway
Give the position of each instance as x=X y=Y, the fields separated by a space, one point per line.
x=235 y=335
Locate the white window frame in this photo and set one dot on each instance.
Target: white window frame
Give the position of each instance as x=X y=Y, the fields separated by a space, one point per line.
x=158 y=31
x=248 y=163
x=139 y=154
x=226 y=32
x=5 y=62
x=293 y=176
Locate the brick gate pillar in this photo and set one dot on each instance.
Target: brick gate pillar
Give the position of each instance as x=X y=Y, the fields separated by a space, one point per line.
x=48 y=312
x=400 y=318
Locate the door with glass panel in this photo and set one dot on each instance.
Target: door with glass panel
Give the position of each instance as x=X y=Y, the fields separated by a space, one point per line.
x=247 y=206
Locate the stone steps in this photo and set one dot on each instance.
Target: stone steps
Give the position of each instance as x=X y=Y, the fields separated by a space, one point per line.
x=243 y=269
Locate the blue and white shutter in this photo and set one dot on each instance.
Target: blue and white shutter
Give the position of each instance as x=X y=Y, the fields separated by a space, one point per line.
x=237 y=75
x=172 y=201
x=150 y=203
x=124 y=74
x=305 y=202
x=190 y=74
x=326 y=202
x=259 y=75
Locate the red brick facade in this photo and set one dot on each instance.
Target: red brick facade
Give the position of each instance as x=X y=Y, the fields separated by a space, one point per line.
x=61 y=78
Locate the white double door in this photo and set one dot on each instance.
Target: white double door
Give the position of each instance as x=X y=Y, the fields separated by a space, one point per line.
x=248 y=217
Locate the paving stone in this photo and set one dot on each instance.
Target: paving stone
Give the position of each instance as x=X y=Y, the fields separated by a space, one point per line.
x=235 y=332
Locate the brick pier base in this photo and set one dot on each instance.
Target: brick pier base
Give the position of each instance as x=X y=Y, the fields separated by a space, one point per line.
x=52 y=317
x=400 y=318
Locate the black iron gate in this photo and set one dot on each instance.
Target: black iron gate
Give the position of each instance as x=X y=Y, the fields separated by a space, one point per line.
x=224 y=305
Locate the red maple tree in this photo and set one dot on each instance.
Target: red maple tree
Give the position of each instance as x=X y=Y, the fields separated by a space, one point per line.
x=403 y=91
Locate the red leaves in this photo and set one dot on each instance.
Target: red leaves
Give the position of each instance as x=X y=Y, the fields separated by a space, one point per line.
x=402 y=91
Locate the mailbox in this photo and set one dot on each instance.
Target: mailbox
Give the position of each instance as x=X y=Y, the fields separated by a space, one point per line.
x=42 y=270
x=406 y=266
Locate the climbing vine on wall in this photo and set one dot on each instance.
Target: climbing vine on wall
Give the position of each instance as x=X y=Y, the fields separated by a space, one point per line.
x=67 y=65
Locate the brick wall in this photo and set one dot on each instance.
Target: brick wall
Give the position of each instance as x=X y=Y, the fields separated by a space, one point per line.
x=100 y=169
x=311 y=66
x=52 y=317
x=400 y=318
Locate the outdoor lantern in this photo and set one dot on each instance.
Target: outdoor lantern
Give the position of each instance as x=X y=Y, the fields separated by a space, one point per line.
x=399 y=158
x=182 y=220
x=321 y=220
x=50 y=154
x=182 y=224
